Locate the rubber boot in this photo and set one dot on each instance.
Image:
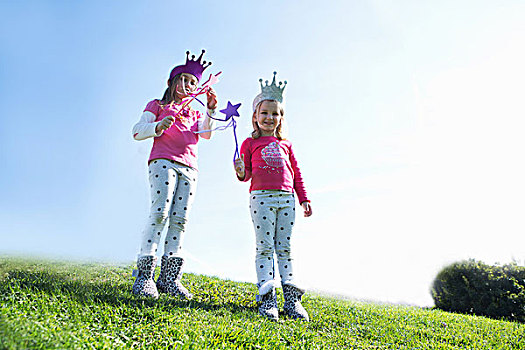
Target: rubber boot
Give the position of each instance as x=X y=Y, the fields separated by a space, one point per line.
x=173 y=274
x=292 y=302
x=144 y=284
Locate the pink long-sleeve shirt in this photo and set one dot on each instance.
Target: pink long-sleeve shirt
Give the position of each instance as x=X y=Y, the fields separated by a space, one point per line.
x=179 y=142
x=271 y=165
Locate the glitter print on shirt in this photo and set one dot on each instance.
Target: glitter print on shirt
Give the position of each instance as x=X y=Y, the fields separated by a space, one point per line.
x=273 y=157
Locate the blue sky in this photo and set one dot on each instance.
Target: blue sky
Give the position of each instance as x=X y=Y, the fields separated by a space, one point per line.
x=406 y=117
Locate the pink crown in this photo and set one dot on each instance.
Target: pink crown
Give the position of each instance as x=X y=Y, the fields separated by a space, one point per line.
x=193 y=67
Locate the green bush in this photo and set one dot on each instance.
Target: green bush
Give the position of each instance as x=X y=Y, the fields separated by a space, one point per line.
x=473 y=287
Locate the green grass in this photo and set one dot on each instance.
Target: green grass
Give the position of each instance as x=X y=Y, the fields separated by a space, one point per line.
x=52 y=304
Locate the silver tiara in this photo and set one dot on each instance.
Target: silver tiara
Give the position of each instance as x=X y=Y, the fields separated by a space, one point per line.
x=270 y=92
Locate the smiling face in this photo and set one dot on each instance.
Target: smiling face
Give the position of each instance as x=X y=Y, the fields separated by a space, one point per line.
x=186 y=82
x=268 y=117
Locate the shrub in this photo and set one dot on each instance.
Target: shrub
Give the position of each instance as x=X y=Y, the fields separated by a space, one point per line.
x=476 y=288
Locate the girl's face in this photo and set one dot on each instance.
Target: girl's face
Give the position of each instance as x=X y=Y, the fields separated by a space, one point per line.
x=268 y=117
x=186 y=82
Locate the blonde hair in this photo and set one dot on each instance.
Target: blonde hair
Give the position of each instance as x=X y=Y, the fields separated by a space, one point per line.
x=280 y=131
x=169 y=95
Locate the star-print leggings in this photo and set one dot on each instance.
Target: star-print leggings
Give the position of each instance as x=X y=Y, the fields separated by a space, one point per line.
x=172 y=192
x=273 y=215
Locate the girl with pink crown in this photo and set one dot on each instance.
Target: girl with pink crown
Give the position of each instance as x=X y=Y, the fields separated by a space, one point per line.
x=172 y=164
x=267 y=159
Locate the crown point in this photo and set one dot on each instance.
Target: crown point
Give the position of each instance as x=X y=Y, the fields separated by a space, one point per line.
x=202 y=54
x=273 y=80
x=260 y=80
x=192 y=57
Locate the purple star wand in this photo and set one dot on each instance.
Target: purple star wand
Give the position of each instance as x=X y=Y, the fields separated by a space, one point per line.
x=230 y=112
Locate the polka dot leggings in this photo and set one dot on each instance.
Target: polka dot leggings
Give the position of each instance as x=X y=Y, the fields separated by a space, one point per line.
x=273 y=215
x=172 y=192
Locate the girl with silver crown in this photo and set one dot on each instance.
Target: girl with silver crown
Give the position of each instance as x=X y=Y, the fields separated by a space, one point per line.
x=172 y=164
x=268 y=160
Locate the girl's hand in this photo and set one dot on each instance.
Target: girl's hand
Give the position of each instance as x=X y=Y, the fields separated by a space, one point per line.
x=164 y=124
x=307 y=209
x=212 y=98
x=239 y=167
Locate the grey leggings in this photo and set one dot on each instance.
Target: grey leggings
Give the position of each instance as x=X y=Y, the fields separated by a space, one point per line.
x=273 y=215
x=172 y=192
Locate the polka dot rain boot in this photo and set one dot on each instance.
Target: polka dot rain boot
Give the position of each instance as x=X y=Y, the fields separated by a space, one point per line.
x=161 y=281
x=144 y=284
x=268 y=307
x=172 y=280
x=292 y=302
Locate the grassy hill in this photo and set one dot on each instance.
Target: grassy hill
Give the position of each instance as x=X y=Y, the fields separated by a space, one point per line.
x=50 y=304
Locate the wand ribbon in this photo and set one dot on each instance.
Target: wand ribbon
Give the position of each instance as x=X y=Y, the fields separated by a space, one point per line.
x=230 y=111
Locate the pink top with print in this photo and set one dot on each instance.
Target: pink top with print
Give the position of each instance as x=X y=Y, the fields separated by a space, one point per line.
x=271 y=165
x=179 y=142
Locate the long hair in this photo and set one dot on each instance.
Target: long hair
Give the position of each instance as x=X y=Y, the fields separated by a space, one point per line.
x=280 y=131
x=170 y=94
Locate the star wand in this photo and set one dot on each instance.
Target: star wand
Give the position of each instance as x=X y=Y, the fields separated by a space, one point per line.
x=229 y=112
